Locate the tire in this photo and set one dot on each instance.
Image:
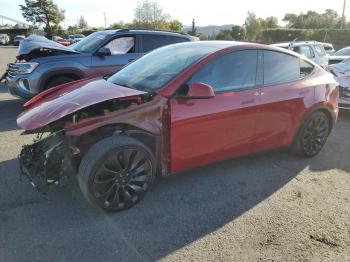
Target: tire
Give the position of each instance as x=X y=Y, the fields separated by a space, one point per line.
x=59 y=80
x=116 y=173
x=312 y=135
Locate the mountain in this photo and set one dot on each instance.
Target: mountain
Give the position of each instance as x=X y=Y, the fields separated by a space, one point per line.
x=209 y=29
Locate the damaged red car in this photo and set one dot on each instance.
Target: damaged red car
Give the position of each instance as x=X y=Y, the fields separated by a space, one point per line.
x=178 y=107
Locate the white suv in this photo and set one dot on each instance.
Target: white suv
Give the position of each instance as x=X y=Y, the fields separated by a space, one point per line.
x=311 y=49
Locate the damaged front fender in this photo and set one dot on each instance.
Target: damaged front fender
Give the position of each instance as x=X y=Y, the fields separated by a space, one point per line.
x=147 y=117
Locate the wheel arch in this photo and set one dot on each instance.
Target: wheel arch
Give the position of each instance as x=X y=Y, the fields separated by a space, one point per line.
x=72 y=72
x=324 y=110
x=87 y=140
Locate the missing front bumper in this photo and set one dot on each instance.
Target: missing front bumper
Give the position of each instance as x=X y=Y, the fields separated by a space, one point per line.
x=45 y=162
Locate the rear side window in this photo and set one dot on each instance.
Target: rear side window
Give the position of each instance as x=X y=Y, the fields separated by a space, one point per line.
x=151 y=42
x=320 y=50
x=283 y=68
x=305 y=68
x=306 y=51
x=231 y=71
x=280 y=68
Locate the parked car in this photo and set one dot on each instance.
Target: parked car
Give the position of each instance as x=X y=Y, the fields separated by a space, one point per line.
x=4 y=39
x=340 y=55
x=44 y=63
x=75 y=38
x=18 y=39
x=176 y=108
x=61 y=41
x=329 y=48
x=341 y=72
x=310 y=49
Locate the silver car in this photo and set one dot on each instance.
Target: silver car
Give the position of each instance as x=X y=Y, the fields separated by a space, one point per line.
x=4 y=39
x=310 y=49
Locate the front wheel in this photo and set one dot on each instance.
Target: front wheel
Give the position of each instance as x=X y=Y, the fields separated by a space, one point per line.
x=312 y=135
x=116 y=173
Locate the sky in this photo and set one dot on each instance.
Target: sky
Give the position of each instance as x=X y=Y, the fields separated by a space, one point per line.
x=204 y=12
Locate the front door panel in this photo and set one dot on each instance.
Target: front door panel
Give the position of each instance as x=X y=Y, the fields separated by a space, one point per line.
x=209 y=130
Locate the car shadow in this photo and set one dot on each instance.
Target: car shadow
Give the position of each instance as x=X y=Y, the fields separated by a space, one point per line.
x=9 y=110
x=179 y=210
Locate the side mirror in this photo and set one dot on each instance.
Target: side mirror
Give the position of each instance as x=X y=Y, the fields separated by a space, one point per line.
x=200 y=91
x=103 y=51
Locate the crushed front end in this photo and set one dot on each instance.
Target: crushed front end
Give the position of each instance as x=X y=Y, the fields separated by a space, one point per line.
x=46 y=161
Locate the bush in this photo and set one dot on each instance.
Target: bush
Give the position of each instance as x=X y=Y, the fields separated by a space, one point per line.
x=338 y=37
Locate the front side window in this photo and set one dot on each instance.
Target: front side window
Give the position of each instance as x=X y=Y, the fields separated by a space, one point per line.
x=121 y=45
x=231 y=71
x=280 y=68
x=91 y=42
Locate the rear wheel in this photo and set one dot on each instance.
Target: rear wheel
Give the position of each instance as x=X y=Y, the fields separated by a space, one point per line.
x=116 y=173
x=312 y=135
x=59 y=80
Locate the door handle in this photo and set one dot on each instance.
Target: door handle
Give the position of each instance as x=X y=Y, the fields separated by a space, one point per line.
x=248 y=101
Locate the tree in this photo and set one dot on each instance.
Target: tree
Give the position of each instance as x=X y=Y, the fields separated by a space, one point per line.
x=253 y=26
x=149 y=15
x=269 y=22
x=82 y=24
x=175 y=25
x=330 y=19
x=224 y=35
x=43 y=12
x=238 y=32
x=193 y=29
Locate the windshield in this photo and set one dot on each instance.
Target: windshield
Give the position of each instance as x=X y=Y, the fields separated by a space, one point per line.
x=344 y=51
x=90 y=43
x=154 y=70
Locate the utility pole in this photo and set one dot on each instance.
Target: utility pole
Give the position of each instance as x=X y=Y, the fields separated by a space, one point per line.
x=343 y=16
x=104 y=14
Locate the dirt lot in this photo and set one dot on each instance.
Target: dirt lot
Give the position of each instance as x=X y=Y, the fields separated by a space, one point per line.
x=268 y=207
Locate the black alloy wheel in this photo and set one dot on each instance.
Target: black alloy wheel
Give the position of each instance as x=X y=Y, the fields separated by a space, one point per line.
x=312 y=135
x=121 y=174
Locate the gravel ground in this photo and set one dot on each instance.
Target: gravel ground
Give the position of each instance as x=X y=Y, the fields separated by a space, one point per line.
x=266 y=207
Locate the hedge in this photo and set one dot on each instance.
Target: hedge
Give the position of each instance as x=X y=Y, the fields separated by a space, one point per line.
x=338 y=37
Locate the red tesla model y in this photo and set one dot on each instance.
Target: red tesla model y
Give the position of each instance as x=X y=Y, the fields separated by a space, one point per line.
x=178 y=107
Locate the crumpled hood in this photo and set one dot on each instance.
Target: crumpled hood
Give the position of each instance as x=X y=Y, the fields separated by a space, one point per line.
x=60 y=101
x=35 y=42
